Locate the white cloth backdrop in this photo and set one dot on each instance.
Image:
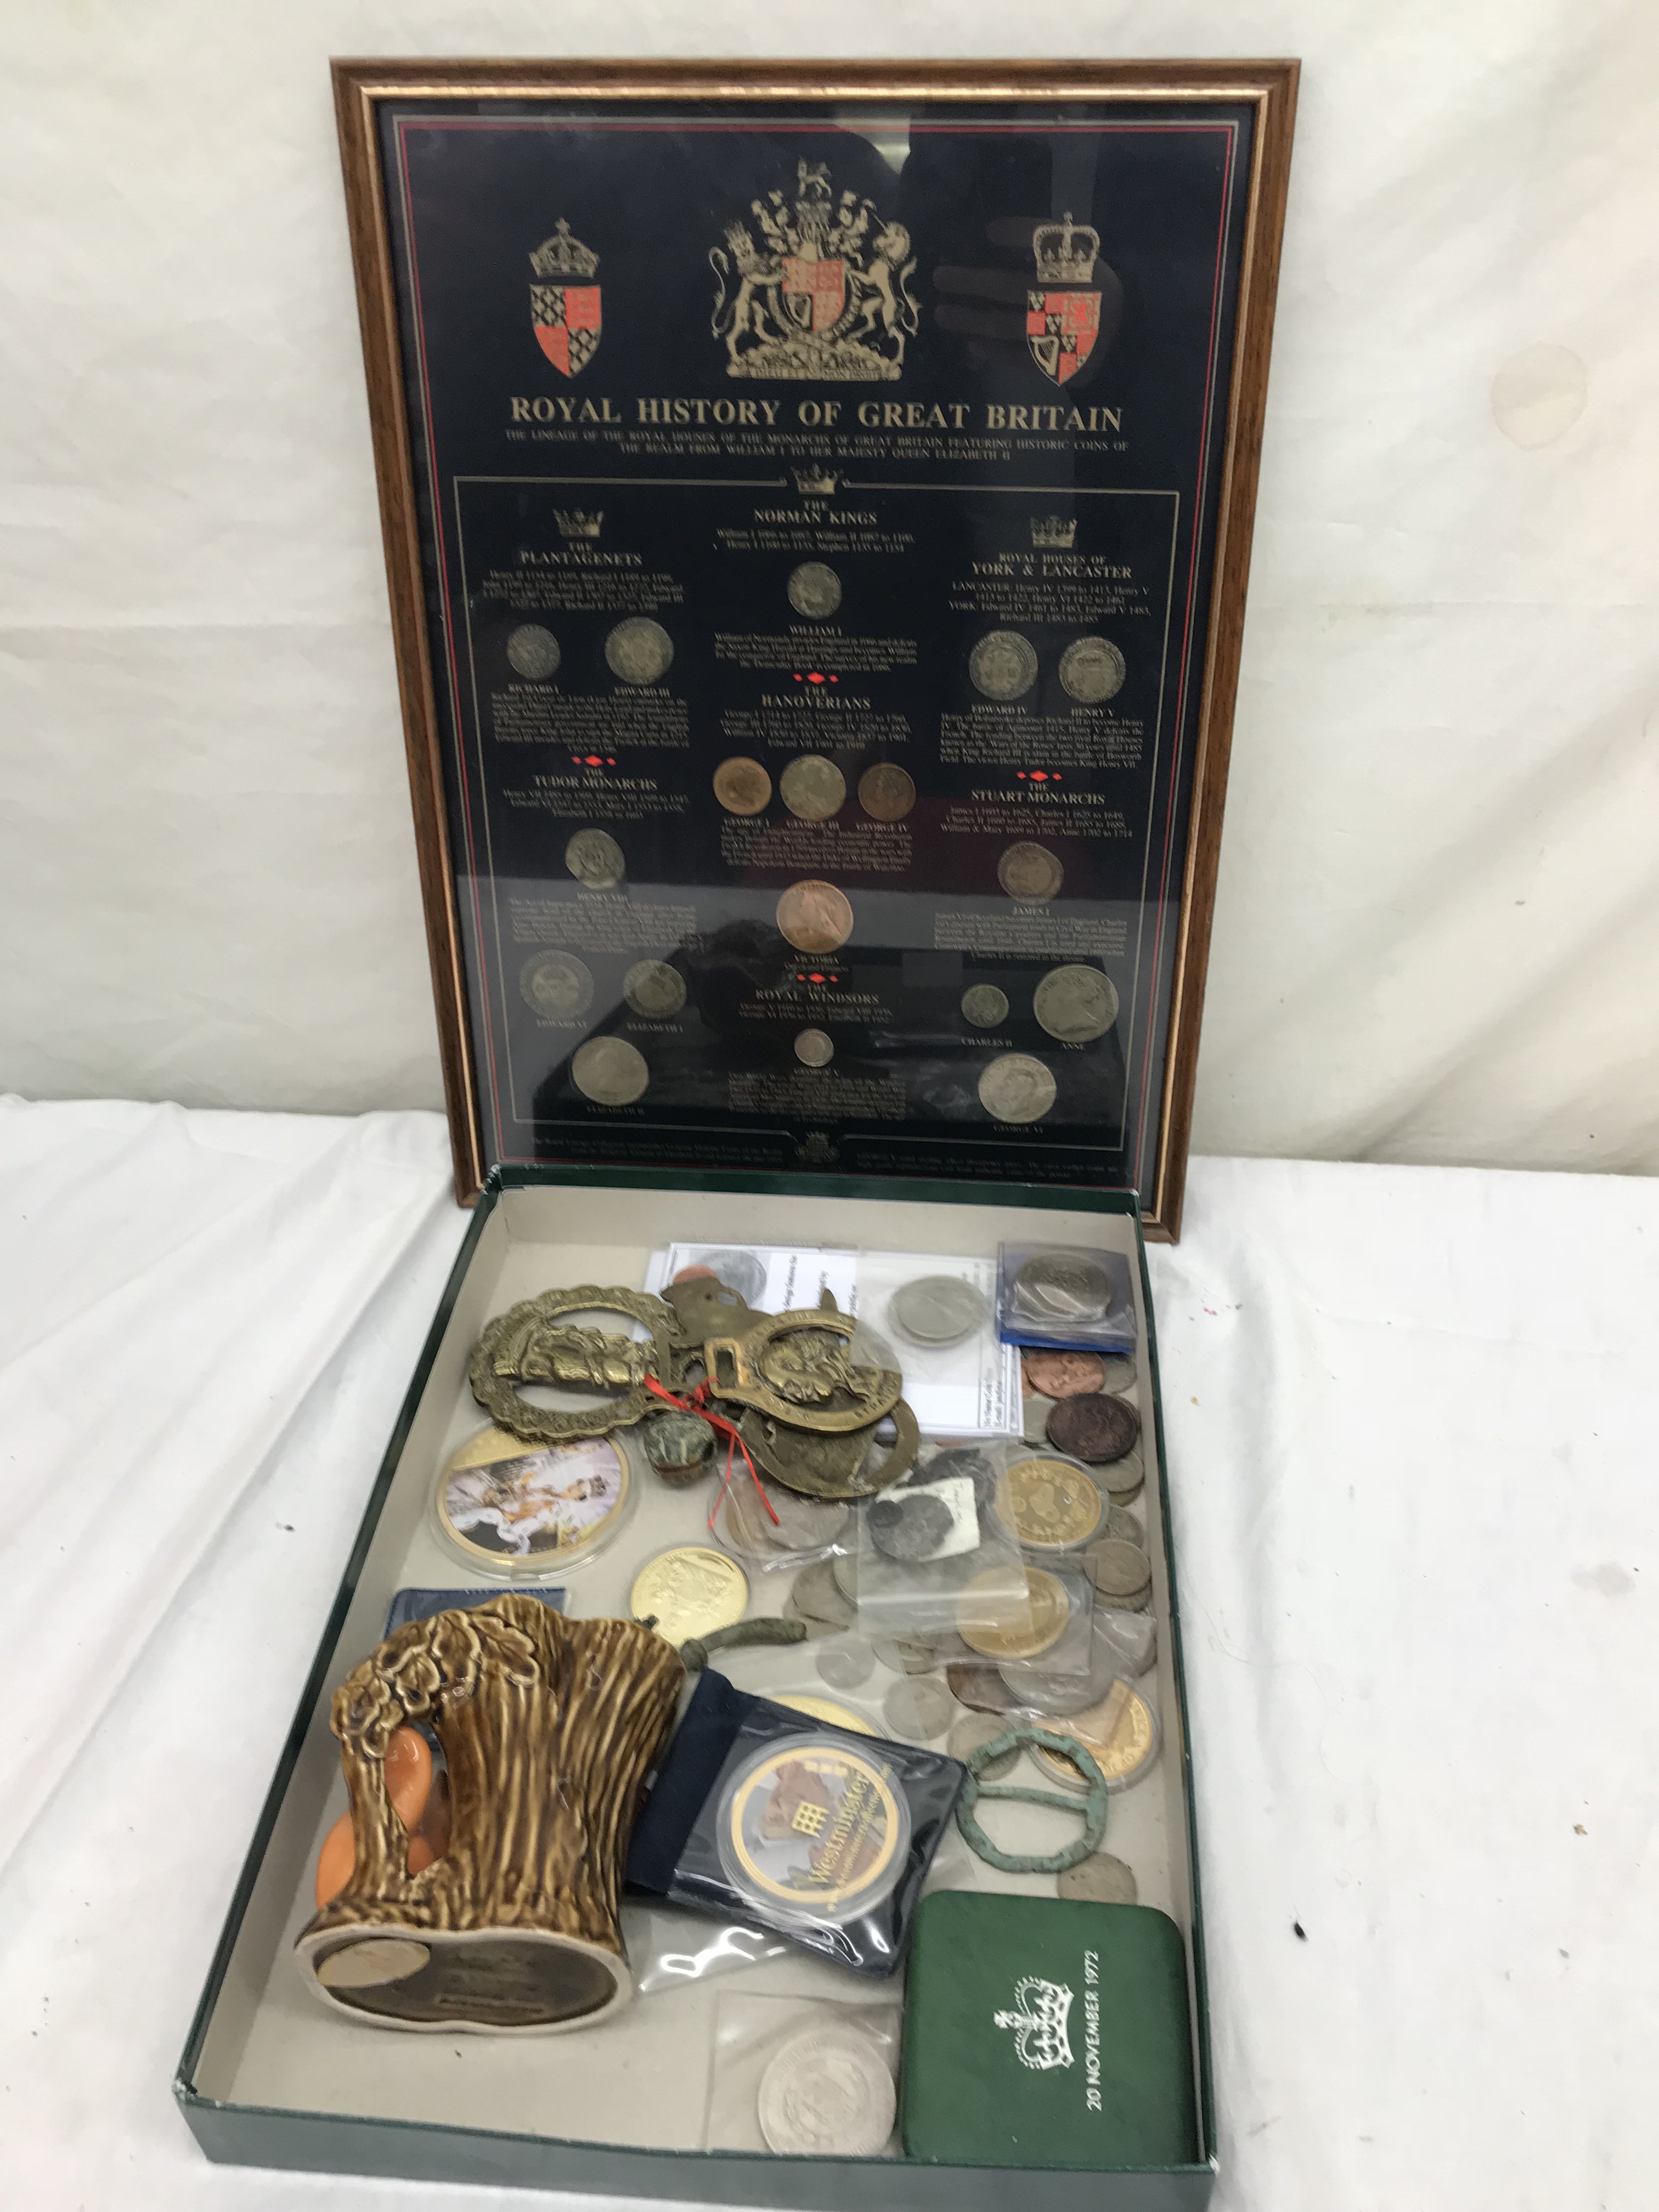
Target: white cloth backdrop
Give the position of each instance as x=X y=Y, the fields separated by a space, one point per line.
x=1435 y=937
x=1410 y=1419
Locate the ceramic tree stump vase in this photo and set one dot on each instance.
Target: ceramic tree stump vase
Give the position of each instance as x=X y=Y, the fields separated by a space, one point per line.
x=548 y=1728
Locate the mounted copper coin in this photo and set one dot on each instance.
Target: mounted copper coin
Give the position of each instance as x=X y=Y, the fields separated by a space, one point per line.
x=815 y=917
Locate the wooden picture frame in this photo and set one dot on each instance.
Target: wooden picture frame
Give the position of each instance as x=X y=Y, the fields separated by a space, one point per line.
x=1264 y=90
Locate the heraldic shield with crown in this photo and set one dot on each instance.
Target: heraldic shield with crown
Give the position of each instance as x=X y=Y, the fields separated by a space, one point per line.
x=1061 y=326
x=816 y=295
x=565 y=315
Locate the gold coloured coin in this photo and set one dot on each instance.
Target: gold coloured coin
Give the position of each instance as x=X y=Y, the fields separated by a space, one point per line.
x=1013 y=1612
x=690 y=1592
x=886 y=793
x=1031 y=873
x=825 y=1709
x=610 y=1070
x=1016 y=1088
x=742 y=786
x=812 y=789
x=1121 y=1733
x=519 y=1508
x=1047 y=1503
x=815 y=917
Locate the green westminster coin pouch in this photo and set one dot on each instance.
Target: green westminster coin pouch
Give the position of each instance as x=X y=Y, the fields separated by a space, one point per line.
x=1041 y=2032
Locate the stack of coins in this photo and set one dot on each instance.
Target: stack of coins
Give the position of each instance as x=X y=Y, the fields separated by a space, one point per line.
x=1121 y=1573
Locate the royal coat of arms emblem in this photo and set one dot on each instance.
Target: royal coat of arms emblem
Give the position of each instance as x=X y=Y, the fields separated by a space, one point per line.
x=1038 y=2020
x=1061 y=326
x=564 y=315
x=824 y=291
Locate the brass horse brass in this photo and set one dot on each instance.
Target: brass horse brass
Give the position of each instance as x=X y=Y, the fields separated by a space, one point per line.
x=795 y=1366
x=526 y=1344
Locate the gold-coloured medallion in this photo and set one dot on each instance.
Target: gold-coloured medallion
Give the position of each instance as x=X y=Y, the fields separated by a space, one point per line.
x=1013 y=1612
x=1047 y=1503
x=1119 y=1732
x=825 y=1709
x=689 y=1591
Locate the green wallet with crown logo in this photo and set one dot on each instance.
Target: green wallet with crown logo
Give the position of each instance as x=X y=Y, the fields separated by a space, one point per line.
x=1039 y=2032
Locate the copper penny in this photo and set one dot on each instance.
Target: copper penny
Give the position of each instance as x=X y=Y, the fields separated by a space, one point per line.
x=815 y=917
x=1062 y=1374
x=886 y=793
x=742 y=786
x=1094 y=1429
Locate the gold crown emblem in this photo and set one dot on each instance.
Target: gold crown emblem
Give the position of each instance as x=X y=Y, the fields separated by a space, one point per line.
x=562 y=255
x=1065 y=251
x=1053 y=530
x=574 y=522
x=816 y=479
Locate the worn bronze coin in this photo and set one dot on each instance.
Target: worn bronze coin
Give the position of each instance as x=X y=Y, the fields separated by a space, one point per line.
x=742 y=786
x=1003 y=665
x=638 y=650
x=1075 y=1003
x=812 y=787
x=1091 y=670
x=533 y=652
x=1102 y=1880
x=557 y=985
x=815 y=917
x=886 y=793
x=1015 y=1087
x=1061 y=1374
x=814 y=590
x=655 y=989
x=595 y=858
x=984 y=1005
x=1031 y=873
x=909 y=1528
x=1094 y=1429
x=610 y=1070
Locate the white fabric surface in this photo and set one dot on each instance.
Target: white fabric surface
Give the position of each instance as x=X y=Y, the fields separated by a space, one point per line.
x=1435 y=937
x=1410 y=1421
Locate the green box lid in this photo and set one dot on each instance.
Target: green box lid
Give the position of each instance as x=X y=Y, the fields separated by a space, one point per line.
x=1040 y=2032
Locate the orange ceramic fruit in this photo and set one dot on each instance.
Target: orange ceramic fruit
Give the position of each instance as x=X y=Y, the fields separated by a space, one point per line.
x=408 y=1781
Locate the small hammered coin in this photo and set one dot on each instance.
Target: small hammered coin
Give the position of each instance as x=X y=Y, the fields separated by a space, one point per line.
x=1003 y=665
x=1096 y=1429
x=638 y=650
x=533 y=652
x=1091 y=670
x=814 y=590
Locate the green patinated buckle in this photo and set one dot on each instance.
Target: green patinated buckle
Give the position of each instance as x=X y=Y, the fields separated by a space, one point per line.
x=1093 y=1807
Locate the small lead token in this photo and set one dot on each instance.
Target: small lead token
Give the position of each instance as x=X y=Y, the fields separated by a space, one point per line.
x=1094 y=1429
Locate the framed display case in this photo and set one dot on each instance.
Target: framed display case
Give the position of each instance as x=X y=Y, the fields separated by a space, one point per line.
x=818 y=501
